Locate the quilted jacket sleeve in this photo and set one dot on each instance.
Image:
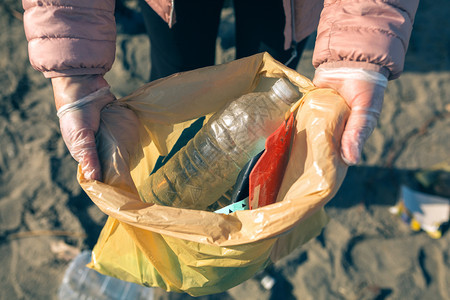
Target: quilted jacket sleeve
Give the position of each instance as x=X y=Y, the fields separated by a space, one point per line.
x=369 y=34
x=70 y=37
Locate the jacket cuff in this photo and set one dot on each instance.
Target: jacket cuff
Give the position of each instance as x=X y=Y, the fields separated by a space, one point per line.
x=367 y=31
x=71 y=56
x=70 y=34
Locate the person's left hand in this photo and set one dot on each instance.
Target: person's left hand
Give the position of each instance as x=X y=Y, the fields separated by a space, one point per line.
x=364 y=92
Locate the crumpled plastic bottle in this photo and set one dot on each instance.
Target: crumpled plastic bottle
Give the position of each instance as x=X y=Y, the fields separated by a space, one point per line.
x=199 y=173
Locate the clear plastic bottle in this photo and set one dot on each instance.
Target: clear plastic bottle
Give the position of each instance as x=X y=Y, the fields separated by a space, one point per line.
x=80 y=282
x=199 y=173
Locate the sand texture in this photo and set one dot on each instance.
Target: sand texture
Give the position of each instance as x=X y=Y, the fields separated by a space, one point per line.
x=364 y=252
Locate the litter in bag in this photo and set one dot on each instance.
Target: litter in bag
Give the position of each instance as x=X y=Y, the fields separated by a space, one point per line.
x=266 y=176
x=199 y=251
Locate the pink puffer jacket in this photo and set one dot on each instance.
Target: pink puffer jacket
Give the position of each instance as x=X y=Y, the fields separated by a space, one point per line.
x=75 y=37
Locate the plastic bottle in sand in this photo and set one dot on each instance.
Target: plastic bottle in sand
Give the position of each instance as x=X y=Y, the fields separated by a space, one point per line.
x=80 y=282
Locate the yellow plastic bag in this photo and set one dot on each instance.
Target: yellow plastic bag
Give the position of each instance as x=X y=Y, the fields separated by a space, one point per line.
x=202 y=252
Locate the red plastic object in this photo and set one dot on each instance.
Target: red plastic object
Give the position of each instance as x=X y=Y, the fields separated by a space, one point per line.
x=265 y=178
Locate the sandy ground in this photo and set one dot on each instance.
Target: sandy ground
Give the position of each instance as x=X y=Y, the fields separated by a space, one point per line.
x=364 y=253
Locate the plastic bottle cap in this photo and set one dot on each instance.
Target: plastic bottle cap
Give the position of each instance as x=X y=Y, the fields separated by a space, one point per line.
x=286 y=91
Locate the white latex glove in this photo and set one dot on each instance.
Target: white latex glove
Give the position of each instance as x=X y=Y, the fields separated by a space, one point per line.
x=79 y=101
x=364 y=92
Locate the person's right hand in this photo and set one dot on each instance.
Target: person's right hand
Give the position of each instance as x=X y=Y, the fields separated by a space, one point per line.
x=79 y=100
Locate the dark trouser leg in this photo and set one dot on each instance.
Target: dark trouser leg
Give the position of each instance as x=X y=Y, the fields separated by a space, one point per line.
x=190 y=43
x=260 y=27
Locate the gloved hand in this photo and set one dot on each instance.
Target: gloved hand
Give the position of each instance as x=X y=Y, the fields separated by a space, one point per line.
x=364 y=92
x=79 y=100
